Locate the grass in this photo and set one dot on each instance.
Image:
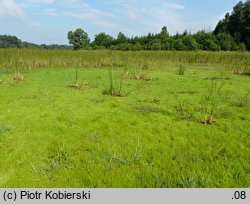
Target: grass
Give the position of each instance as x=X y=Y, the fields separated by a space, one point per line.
x=30 y=59
x=243 y=99
x=211 y=100
x=182 y=69
x=54 y=136
x=114 y=88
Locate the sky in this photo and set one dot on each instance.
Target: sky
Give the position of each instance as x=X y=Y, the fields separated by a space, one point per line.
x=48 y=21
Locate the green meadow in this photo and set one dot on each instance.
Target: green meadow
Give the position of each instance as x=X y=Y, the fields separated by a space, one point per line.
x=124 y=119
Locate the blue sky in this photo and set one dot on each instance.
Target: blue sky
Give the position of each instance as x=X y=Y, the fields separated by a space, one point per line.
x=48 y=21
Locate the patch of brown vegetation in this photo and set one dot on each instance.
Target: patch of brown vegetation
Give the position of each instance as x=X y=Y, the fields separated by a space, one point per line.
x=18 y=77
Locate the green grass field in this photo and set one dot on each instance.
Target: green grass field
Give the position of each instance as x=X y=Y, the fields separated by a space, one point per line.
x=157 y=135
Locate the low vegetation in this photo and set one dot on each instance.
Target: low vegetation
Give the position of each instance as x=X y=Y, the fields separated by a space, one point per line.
x=114 y=88
x=167 y=130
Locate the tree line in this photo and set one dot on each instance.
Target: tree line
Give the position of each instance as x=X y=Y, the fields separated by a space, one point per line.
x=7 y=41
x=231 y=34
x=201 y=40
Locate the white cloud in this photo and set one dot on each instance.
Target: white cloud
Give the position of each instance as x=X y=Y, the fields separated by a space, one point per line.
x=151 y=16
x=93 y=16
x=82 y=10
x=10 y=8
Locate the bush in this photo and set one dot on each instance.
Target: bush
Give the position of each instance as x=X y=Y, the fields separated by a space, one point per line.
x=190 y=43
x=226 y=42
x=179 y=45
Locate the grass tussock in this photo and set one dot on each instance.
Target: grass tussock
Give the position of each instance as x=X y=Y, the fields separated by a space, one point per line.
x=184 y=113
x=18 y=77
x=243 y=100
x=77 y=86
x=211 y=101
x=182 y=69
x=114 y=88
x=59 y=158
x=242 y=70
x=135 y=74
x=4 y=128
x=142 y=76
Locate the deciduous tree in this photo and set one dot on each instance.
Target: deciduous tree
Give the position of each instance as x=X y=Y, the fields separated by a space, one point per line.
x=78 y=38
